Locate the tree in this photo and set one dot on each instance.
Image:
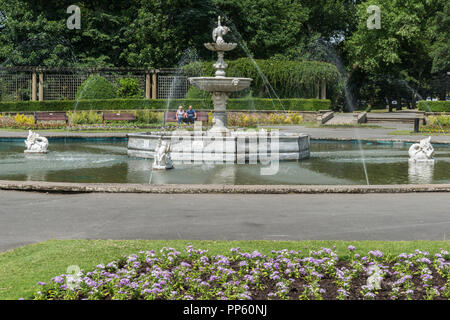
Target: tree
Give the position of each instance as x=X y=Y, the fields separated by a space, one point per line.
x=440 y=50
x=35 y=33
x=164 y=29
x=399 y=52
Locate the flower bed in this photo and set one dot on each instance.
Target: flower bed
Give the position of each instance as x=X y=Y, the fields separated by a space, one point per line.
x=244 y=119
x=437 y=124
x=194 y=274
x=24 y=122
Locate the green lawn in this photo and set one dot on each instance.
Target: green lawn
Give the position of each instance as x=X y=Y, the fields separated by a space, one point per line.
x=22 y=268
x=412 y=133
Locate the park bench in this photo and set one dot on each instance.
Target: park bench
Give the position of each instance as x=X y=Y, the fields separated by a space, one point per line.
x=118 y=116
x=50 y=116
x=171 y=116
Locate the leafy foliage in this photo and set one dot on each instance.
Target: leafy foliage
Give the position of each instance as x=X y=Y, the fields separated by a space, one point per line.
x=411 y=45
x=397 y=56
x=440 y=50
x=129 y=88
x=96 y=87
x=84 y=117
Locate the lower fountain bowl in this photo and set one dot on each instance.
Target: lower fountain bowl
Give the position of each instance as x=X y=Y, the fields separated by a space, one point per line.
x=234 y=147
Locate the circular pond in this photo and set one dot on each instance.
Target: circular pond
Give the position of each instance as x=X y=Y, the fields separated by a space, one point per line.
x=331 y=163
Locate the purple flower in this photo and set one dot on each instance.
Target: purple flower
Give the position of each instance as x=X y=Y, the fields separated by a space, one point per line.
x=376 y=253
x=242 y=263
x=124 y=282
x=369 y=295
x=424 y=260
x=351 y=248
x=212 y=278
x=40 y=283
x=58 y=279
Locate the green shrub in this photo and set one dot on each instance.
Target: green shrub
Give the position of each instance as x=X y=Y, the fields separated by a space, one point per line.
x=96 y=87
x=434 y=106
x=438 y=121
x=245 y=119
x=129 y=88
x=84 y=117
x=146 y=116
x=159 y=104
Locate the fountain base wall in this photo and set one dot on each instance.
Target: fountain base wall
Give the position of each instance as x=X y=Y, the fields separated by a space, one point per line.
x=235 y=147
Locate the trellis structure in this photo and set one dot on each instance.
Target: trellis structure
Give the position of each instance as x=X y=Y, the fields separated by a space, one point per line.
x=36 y=83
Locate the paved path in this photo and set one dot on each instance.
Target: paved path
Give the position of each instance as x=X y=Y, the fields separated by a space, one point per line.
x=33 y=217
x=365 y=133
x=341 y=118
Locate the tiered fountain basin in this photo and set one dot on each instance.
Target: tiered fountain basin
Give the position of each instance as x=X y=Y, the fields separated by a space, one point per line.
x=220 y=84
x=233 y=147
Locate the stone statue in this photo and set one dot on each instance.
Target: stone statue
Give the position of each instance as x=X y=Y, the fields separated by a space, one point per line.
x=422 y=151
x=219 y=32
x=162 y=161
x=35 y=143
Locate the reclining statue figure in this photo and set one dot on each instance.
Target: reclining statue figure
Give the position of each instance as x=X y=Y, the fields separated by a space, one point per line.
x=422 y=151
x=35 y=143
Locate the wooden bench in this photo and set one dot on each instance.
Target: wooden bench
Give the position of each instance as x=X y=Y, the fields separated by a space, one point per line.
x=50 y=116
x=119 y=117
x=171 y=116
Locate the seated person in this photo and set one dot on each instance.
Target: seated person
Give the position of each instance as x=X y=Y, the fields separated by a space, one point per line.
x=190 y=115
x=181 y=115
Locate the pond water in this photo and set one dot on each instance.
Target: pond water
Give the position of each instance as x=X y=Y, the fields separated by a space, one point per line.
x=331 y=162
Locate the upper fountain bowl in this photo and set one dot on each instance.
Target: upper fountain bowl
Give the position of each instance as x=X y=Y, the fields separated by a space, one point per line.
x=220 y=46
x=220 y=84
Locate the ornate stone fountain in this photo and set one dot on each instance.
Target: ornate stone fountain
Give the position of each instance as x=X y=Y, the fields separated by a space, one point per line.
x=220 y=86
x=219 y=144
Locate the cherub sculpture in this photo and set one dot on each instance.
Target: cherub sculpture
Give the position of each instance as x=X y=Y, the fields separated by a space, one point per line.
x=35 y=143
x=422 y=151
x=162 y=156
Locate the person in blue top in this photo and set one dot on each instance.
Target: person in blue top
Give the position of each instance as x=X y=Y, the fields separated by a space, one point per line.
x=190 y=115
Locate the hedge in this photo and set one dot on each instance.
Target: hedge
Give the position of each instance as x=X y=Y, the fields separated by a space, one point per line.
x=434 y=106
x=133 y=104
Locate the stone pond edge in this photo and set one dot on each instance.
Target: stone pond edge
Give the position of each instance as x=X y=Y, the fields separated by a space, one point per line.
x=62 y=187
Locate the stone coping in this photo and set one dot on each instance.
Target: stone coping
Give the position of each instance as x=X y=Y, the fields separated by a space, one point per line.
x=56 y=135
x=62 y=187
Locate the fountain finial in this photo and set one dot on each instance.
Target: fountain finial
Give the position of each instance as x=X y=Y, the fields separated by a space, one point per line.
x=219 y=32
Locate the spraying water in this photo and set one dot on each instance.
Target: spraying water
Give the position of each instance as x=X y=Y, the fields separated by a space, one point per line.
x=350 y=101
x=189 y=56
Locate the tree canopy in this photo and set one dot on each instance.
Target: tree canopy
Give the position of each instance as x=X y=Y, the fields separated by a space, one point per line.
x=411 y=46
